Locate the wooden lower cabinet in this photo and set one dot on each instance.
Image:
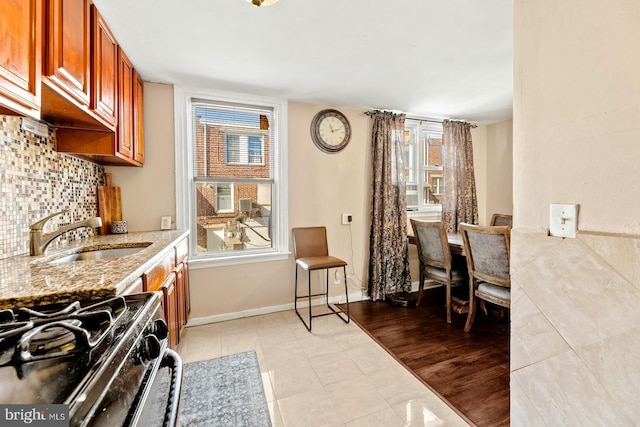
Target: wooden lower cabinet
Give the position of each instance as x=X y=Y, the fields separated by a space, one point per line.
x=170 y=275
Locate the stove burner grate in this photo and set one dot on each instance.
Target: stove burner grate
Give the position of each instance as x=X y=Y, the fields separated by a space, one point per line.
x=37 y=335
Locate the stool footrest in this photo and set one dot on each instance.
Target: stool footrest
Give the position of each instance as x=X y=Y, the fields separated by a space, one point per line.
x=339 y=312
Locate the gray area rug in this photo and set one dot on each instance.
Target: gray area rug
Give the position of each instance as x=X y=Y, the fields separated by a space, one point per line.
x=226 y=391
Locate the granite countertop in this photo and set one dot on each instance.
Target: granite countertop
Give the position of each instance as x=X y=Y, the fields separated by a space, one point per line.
x=31 y=281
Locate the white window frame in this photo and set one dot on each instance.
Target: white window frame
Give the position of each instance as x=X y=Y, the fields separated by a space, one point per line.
x=231 y=195
x=415 y=159
x=244 y=140
x=185 y=191
x=440 y=180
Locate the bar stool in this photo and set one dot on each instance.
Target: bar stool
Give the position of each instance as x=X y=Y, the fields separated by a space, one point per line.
x=312 y=253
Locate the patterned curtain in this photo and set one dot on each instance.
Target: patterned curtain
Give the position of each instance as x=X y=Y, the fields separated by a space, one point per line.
x=388 y=251
x=459 y=203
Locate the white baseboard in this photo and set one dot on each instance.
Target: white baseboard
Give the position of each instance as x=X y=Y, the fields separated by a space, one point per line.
x=197 y=321
x=353 y=297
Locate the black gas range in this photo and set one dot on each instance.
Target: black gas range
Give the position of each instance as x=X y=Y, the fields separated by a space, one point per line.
x=104 y=360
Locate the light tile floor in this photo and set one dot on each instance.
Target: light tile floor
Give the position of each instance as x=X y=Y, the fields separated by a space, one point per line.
x=335 y=375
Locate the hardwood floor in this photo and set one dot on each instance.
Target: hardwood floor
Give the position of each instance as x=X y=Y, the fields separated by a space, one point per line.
x=468 y=370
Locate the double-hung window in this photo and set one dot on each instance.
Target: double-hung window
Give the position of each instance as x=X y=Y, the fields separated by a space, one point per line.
x=423 y=165
x=232 y=176
x=244 y=149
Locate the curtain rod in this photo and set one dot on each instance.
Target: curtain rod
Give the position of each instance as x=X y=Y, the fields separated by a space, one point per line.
x=371 y=113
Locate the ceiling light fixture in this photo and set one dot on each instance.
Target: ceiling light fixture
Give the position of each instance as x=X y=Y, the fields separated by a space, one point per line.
x=259 y=3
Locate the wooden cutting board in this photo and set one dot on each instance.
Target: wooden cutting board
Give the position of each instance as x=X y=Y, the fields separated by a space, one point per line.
x=109 y=205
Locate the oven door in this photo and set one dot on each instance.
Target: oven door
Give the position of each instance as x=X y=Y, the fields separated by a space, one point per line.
x=159 y=397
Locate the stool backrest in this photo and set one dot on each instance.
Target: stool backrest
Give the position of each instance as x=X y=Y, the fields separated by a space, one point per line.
x=310 y=241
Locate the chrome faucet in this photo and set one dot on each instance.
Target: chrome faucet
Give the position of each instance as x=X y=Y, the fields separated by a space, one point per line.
x=38 y=241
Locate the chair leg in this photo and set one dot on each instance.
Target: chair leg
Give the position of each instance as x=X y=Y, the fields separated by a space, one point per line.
x=421 y=287
x=483 y=307
x=324 y=293
x=472 y=306
x=346 y=292
x=339 y=312
x=295 y=303
x=448 y=295
x=326 y=287
x=310 y=316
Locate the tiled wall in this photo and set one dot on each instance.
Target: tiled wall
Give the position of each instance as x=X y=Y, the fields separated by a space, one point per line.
x=575 y=330
x=36 y=181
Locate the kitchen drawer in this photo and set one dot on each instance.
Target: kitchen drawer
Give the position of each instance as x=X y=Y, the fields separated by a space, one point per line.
x=182 y=250
x=156 y=275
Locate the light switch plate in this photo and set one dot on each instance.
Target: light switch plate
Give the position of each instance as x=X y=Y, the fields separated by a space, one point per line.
x=165 y=224
x=563 y=220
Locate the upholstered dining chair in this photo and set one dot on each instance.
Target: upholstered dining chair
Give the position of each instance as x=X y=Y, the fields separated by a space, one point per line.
x=501 y=219
x=311 y=252
x=435 y=259
x=488 y=254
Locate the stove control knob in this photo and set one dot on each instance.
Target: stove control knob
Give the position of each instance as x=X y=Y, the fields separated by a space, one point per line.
x=149 y=348
x=159 y=329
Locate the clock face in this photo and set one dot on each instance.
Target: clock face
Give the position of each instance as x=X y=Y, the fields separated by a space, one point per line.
x=330 y=131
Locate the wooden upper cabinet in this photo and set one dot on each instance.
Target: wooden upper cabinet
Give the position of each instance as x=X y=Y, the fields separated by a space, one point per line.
x=67 y=49
x=104 y=69
x=138 y=133
x=67 y=81
x=20 y=57
x=125 y=141
x=60 y=62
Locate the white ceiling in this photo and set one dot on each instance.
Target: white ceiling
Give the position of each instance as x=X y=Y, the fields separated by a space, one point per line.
x=428 y=58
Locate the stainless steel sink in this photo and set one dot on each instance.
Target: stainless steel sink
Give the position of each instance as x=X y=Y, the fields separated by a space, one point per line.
x=104 y=253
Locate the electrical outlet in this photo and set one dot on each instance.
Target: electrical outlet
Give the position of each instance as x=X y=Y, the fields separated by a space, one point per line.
x=165 y=224
x=336 y=277
x=347 y=219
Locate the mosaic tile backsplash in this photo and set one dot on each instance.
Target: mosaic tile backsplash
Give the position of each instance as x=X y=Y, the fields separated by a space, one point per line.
x=37 y=181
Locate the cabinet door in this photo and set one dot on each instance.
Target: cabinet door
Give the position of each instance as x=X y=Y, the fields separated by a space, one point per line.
x=20 y=57
x=180 y=290
x=138 y=133
x=104 y=69
x=170 y=306
x=187 y=292
x=67 y=48
x=125 y=106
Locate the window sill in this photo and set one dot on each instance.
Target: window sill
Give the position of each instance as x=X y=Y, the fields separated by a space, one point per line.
x=207 y=261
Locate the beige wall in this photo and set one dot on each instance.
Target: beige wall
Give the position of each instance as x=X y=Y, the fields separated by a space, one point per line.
x=493 y=163
x=321 y=187
x=479 y=137
x=499 y=169
x=575 y=347
x=149 y=193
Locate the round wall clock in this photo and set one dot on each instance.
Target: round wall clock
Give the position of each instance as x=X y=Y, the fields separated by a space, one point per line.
x=330 y=130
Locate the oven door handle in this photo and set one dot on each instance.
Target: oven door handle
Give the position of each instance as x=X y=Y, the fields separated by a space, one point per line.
x=172 y=360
